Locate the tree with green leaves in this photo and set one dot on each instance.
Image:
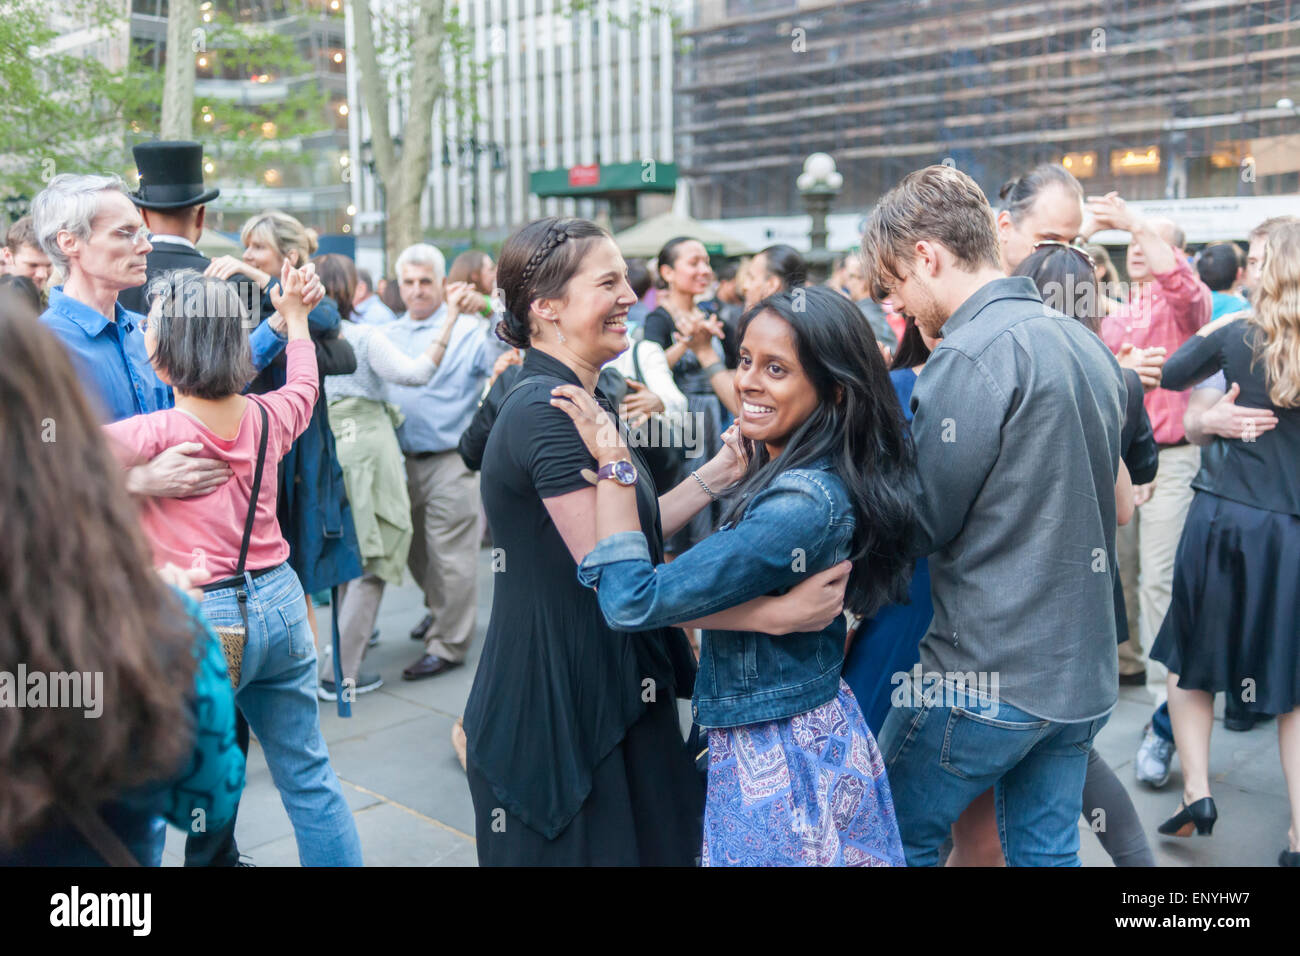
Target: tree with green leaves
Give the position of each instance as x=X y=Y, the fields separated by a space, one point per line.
x=79 y=93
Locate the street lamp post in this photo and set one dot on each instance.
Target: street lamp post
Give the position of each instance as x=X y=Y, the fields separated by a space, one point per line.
x=818 y=185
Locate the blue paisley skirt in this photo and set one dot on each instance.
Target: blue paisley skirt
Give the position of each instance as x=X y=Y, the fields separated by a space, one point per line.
x=808 y=790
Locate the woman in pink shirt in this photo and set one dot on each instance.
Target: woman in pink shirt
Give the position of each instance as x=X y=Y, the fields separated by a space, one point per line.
x=197 y=341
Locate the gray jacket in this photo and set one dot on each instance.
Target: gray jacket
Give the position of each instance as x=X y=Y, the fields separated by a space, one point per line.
x=1017 y=420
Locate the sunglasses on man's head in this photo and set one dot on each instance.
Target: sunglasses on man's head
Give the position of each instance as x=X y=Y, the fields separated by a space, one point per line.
x=1066 y=245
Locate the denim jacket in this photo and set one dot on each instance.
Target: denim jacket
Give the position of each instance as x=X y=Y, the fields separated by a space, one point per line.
x=799 y=525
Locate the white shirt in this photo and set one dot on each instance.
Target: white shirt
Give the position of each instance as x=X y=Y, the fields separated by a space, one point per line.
x=658 y=377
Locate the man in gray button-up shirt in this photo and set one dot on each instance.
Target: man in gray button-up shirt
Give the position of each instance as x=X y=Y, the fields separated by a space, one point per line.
x=1017 y=420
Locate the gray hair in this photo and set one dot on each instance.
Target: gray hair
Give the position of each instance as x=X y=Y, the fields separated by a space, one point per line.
x=70 y=202
x=202 y=343
x=423 y=254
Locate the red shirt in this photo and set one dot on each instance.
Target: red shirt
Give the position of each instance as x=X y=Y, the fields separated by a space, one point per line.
x=1166 y=312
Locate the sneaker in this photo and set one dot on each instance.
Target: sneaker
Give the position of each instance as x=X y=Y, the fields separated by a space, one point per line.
x=1153 y=759
x=365 y=684
x=374 y=639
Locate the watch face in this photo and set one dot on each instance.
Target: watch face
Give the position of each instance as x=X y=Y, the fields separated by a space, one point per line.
x=625 y=472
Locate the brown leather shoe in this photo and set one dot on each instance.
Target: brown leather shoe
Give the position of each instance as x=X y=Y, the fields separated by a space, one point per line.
x=429 y=665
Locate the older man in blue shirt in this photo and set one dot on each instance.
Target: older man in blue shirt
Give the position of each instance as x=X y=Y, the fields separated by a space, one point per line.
x=444 y=493
x=91 y=230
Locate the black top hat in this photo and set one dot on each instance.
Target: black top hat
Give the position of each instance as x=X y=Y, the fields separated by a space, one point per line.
x=171 y=175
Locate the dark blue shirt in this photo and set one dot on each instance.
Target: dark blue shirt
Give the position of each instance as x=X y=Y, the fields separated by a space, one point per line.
x=110 y=357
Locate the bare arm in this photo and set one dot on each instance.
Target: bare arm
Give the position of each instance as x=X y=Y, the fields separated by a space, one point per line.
x=1213 y=414
x=1124 y=501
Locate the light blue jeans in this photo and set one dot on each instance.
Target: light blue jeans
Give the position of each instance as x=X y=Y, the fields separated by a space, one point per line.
x=940 y=758
x=277 y=694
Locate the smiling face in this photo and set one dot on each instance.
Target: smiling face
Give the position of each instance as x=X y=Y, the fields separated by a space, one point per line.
x=690 y=272
x=1056 y=215
x=592 y=315
x=261 y=253
x=776 y=396
x=114 y=255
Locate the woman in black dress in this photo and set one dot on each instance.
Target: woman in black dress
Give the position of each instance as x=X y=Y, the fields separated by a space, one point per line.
x=1234 y=621
x=575 y=752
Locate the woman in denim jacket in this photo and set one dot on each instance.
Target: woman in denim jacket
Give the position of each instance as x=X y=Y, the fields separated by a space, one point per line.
x=794 y=774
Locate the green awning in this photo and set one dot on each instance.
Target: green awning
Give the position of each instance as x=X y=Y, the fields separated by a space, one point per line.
x=648 y=176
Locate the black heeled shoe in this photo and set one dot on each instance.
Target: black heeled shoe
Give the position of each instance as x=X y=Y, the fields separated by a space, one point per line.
x=1288 y=858
x=1199 y=816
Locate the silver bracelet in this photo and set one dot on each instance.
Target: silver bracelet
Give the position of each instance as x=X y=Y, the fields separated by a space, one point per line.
x=707 y=489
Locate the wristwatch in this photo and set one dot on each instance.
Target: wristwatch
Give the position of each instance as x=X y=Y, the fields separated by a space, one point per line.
x=622 y=471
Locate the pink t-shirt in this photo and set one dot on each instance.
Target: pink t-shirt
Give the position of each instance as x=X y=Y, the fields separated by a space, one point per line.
x=203 y=534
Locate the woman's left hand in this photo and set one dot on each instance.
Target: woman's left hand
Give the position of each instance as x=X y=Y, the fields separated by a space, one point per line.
x=598 y=431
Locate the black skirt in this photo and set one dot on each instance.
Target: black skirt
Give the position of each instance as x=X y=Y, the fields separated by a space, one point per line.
x=645 y=807
x=1234 y=620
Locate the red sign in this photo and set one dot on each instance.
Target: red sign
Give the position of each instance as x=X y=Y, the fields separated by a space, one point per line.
x=584 y=175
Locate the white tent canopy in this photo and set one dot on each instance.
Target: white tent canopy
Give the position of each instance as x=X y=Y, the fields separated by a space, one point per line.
x=645 y=239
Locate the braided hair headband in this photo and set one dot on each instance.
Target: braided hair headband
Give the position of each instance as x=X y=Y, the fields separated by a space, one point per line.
x=554 y=236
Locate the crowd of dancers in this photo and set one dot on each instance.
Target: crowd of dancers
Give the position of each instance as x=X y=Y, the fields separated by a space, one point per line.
x=899 y=538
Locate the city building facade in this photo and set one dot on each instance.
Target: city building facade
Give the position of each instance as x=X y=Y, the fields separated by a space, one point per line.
x=1158 y=99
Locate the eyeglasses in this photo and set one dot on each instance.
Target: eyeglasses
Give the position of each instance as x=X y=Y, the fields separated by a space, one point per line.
x=1066 y=245
x=127 y=234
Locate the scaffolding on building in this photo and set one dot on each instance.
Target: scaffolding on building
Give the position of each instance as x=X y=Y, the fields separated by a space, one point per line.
x=1154 y=98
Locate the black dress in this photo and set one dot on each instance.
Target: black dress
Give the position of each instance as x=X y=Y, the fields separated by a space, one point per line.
x=1234 y=620
x=575 y=754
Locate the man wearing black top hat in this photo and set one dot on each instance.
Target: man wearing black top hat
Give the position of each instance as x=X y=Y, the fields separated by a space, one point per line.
x=172 y=200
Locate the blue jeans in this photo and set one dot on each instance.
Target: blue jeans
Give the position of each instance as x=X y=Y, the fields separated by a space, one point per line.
x=277 y=695
x=940 y=758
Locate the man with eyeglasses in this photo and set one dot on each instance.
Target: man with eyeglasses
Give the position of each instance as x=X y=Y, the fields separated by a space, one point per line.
x=95 y=236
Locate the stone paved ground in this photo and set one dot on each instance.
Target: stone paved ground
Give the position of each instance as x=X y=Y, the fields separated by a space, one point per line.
x=412 y=805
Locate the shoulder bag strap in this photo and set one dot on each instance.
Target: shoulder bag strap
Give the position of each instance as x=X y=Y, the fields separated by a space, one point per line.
x=257 y=484
x=636 y=363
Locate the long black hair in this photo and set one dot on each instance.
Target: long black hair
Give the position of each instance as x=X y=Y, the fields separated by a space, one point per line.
x=858 y=423
x=1067 y=280
x=912 y=350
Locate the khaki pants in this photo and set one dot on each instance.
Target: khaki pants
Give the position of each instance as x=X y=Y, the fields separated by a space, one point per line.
x=358 y=609
x=1159 y=525
x=444 y=549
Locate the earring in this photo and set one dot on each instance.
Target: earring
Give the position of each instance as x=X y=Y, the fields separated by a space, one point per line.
x=559 y=333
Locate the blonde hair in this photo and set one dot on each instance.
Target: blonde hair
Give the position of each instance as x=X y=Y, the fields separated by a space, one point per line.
x=283 y=232
x=1276 y=313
